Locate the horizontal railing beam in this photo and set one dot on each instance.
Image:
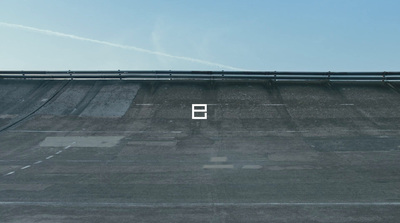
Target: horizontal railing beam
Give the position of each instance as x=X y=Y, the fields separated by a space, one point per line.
x=206 y=75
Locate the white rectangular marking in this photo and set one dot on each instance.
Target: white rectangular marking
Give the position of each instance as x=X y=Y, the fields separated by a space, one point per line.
x=49 y=157
x=58 y=152
x=25 y=167
x=37 y=162
x=219 y=159
x=12 y=172
x=67 y=147
x=217 y=166
x=346 y=104
x=252 y=167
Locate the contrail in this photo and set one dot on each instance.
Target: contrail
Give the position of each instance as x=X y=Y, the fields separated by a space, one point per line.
x=137 y=49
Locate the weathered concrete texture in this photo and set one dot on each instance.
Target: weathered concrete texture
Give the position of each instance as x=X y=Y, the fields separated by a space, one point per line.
x=81 y=141
x=98 y=151
x=93 y=99
x=111 y=101
x=19 y=99
x=279 y=214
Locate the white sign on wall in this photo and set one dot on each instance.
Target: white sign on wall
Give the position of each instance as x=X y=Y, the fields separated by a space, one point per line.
x=199 y=108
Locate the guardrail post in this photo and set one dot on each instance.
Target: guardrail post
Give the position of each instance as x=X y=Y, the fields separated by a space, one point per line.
x=384 y=76
x=70 y=74
x=23 y=74
x=119 y=72
x=329 y=77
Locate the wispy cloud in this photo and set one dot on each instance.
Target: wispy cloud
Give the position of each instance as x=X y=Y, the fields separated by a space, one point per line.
x=116 y=45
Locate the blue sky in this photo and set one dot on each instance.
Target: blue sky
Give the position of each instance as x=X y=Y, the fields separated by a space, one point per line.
x=282 y=35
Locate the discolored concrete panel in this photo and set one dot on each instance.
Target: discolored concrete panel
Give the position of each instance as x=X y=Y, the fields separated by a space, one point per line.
x=112 y=100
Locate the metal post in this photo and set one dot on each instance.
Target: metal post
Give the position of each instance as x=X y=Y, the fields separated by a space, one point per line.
x=384 y=76
x=329 y=76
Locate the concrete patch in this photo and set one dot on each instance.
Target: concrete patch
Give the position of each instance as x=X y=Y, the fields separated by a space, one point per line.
x=219 y=159
x=153 y=143
x=252 y=167
x=290 y=156
x=292 y=168
x=81 y=141
x=218 y=167
x=111 y=101
x=5 y=116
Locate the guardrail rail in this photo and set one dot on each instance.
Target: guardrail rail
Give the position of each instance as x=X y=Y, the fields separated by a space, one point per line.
x=206 y=75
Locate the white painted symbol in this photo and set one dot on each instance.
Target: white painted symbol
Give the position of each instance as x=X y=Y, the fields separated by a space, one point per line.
x=12 y=172
x=23 y=168
x=199 y=108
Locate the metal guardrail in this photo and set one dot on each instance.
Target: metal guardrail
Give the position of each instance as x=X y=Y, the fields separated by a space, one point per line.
x=207 y=75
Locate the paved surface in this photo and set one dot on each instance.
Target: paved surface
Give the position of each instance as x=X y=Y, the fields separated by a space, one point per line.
x=109 y=151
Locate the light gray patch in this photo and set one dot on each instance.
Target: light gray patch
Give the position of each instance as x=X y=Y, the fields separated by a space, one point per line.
x=252 y=167
x=153 y=143
x=111 y=101
x=303 y=167
x=6 y=116
x=81 y=141
x=228 y=166
x=219 y=159
x=293 y=156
